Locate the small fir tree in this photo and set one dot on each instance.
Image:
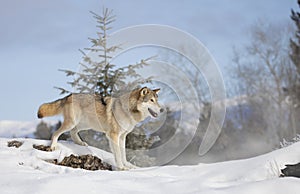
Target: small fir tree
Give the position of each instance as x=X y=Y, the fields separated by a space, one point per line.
x=43 y=131
x=98 y=74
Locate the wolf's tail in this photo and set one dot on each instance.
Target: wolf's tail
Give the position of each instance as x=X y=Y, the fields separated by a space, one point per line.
x=50 y=109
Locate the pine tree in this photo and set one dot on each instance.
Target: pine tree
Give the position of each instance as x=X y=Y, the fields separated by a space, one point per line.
x=98 y=74
x=295 y=44
x=294 y=90
x=43 y=131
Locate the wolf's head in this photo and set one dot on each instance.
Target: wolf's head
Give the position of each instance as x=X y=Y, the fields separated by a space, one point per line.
x=147 y=102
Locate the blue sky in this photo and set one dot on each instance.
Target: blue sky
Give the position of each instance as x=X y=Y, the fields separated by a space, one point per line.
x=38 y=37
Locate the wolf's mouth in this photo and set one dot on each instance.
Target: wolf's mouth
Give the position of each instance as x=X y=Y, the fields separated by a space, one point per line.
x=154 y=114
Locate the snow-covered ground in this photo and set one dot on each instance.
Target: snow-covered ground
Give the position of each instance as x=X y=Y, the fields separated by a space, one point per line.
x=23 y=170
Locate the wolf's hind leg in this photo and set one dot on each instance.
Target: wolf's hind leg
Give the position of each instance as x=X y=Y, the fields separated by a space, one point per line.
x=67 y=125
x=76 y=138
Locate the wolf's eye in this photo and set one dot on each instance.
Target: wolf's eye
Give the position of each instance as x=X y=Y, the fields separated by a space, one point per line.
x=152 y=100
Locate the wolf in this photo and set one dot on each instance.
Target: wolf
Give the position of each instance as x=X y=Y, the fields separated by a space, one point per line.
x=114 y=116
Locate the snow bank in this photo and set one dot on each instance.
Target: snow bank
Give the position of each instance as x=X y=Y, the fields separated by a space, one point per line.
x=23 y=170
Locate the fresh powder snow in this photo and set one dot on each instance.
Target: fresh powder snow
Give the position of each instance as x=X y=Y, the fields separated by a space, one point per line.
x=24 y=170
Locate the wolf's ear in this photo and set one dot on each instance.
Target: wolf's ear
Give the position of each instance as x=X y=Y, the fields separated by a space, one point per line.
x=144 y=91
x=156 y=90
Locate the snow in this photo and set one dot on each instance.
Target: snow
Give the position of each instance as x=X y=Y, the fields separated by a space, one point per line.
x=24 y=170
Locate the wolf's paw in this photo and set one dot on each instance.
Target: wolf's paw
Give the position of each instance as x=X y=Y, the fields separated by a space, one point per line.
x=123 y=168
x=127 y=166
x=53 y=147
x=130 y=166
x=82 y=143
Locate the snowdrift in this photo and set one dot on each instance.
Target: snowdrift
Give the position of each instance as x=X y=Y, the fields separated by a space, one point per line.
x=24 y=170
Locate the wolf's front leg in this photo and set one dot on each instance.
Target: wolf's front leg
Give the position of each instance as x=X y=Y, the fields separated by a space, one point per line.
x=114 y=142
x=123 y=152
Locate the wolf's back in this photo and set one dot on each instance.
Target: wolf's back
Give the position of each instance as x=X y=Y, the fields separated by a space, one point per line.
x=50 y=109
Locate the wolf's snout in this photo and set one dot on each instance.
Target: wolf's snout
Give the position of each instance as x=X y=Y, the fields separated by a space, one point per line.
x=154 y=114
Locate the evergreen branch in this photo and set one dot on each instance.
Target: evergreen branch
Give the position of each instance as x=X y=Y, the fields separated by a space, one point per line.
x=68 y=72
x=113 y=48
x=94 y=49
x=105 y=56
x=62 y=90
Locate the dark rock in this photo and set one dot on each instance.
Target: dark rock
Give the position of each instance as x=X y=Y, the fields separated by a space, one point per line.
x=87 y=162
x=14 y=143
x=42 y=147
x=291 y=170
x=53 y=161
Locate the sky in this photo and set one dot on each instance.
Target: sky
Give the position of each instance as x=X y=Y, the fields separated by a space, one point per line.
x=38 y=37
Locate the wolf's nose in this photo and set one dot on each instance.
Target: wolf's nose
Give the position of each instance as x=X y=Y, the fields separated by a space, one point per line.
x=162 y=110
